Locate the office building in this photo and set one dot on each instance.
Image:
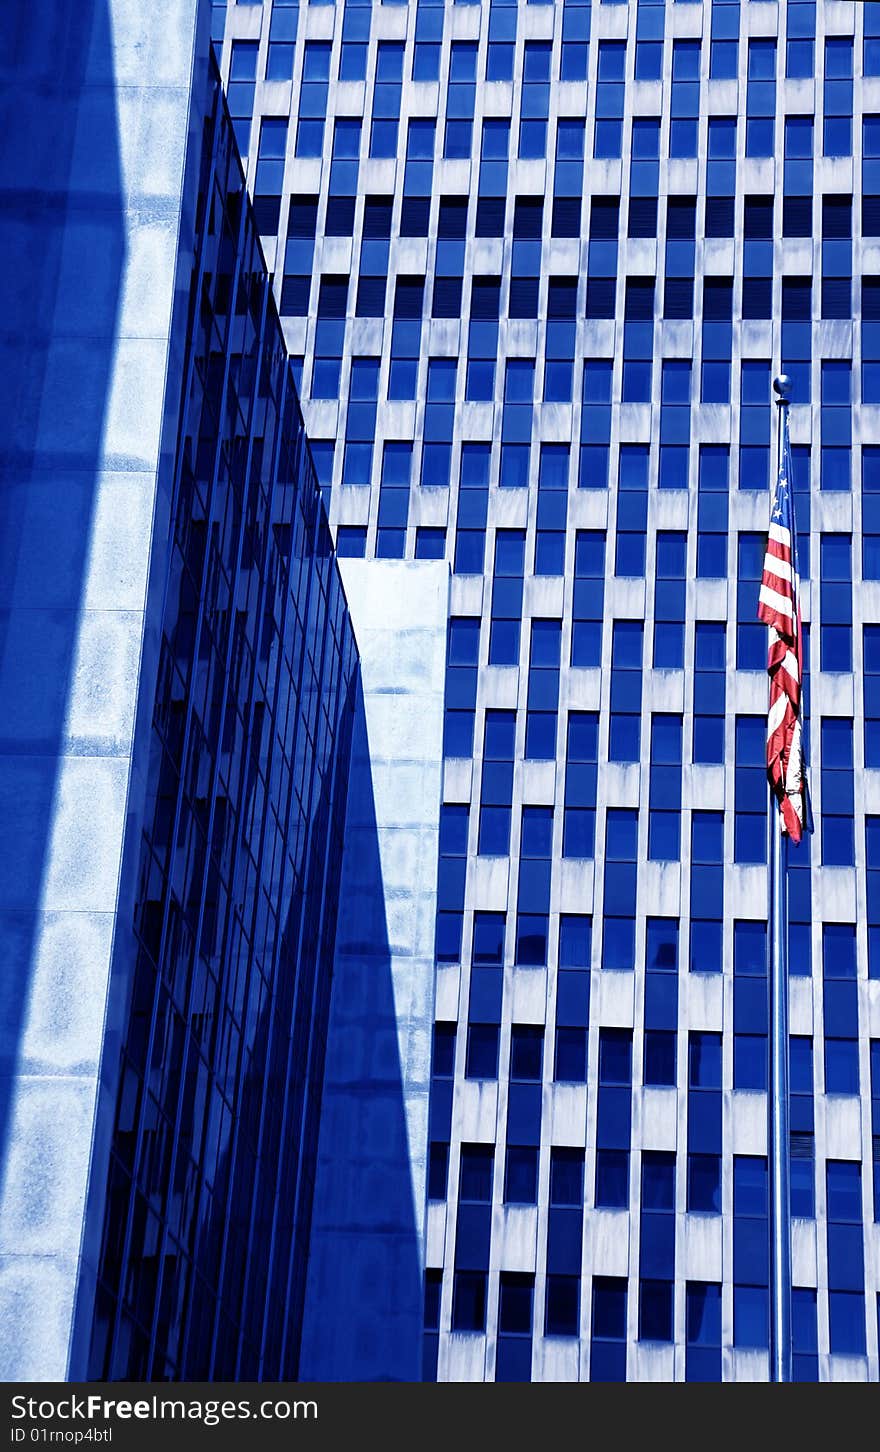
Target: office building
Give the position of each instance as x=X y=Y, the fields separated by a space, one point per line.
x=538 y=264
x=192 y=734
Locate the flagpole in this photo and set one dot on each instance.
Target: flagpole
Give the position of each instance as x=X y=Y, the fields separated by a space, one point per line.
x=778 y=1101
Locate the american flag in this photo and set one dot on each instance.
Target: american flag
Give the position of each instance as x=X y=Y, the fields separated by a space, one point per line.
x=779 y=607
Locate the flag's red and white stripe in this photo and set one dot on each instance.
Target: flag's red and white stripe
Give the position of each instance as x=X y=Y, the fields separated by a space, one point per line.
x=779 y=608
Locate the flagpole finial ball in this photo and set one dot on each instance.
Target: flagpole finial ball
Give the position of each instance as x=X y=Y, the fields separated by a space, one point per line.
x=782 y=387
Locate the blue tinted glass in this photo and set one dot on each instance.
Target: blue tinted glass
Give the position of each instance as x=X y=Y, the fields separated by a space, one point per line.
x=846 y=1311
x=612 y=60
x=844 y=1187
x=488 y=944
x=750 y=1315
x=660 y=1057
x=615 y=1056
x=612 y=1179
x=243 y=62
x=722 y=137
x=316 y=61
x=521 y=1175
x=750 y=1061
x=799 y=136
x=607 y=139
x=841 y=1066
x=482 y=1051
x=480 y=380
x=704 y=1060
x=704 y=1184
x=645 y=138
x=802 y=1186
x=426 y=62
x=706 y=946
x=558 y=380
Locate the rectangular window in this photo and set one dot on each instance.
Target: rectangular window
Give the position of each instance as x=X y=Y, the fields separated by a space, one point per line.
x=750 y=790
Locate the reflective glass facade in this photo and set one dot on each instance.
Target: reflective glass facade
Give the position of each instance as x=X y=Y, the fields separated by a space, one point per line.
x=538 y=264
x=217 y=1061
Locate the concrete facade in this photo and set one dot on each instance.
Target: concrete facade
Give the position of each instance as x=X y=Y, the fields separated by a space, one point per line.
x=600 y=230
x=98 y=109
x=364 y=1299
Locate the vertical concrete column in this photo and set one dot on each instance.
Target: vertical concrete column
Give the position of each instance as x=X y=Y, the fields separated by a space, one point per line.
x=93 y=166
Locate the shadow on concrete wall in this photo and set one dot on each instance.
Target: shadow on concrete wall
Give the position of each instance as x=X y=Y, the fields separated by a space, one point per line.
x=363 y=1311
x=61 y=262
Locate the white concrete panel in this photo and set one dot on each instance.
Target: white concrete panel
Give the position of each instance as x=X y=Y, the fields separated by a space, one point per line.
x=446 y=1006
x=847 y=1368
x=103 y=688
x=568 y=1109
x=703 y=1247
x=121 y=522
x=516 y=1227
x=36 y=1308
x=654 y=1363
x=615 y=998
x=843 y=1125
x=804 y=1260
x=705 y=998
x=465 y=1358
x=749 y=1365
x=529 y=993
x=748 y=1123
x=477 y=1111
x=555 y=1358
x=44 y=1177
x=85 y=842
x=656 y=1113
x=490 y=883
x=610 y=1242
x=62 y=1028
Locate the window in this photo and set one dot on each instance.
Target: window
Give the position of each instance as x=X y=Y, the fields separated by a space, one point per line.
x=661 y=1001
x=482 y=1051
x=243 y=60
x=669 y=599
x=703 y=1332
x=521 y=1175
x=430 y=543
x=838 y=800
x=469 y=1301
x=750 y=790
x=608 y=1343
x=438 y=1170
x=614 y=1118
x=351 y=541
x=750 y=1251
x=514 y=1310
x=750 y=1005
x=562 y=1317
x=526 y=1053
x=846 y=1268
x=707 y=890
x=580 y=785
x=836 y=602
x=664 y=817
x=710 y=660
x=612 y=1179
x=626 y=690
x=488 y=939
x=704 y=1184
x=840 y=1008
x=704 y=1123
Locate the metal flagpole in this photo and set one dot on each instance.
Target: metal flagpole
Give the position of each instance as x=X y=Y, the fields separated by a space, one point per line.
x=778 y=1102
